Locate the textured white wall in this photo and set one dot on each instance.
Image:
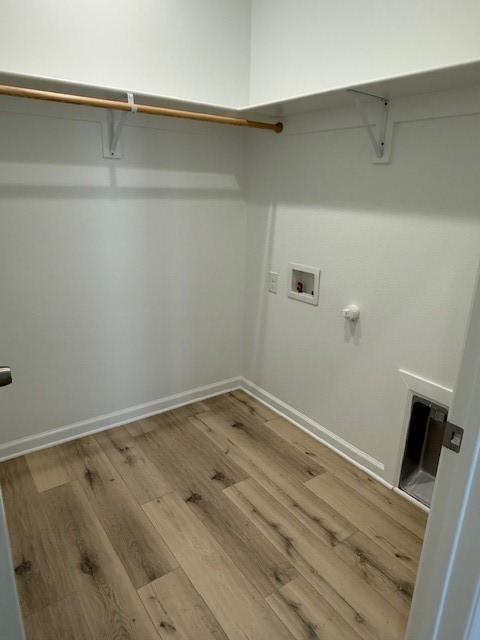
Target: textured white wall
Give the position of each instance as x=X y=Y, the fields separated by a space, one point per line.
x=402 y=241
x=195 y=50
x=314 y=45
x=121 y=282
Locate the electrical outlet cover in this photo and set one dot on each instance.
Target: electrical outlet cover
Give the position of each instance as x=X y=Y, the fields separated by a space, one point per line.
x=273 y=281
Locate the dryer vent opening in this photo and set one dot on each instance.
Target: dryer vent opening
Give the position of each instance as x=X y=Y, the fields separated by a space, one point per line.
x=423 y=448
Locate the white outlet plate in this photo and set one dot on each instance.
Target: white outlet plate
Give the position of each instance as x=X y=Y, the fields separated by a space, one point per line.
x=273 y=281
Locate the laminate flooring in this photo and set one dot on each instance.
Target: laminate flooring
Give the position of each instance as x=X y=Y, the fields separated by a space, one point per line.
x=218 y=520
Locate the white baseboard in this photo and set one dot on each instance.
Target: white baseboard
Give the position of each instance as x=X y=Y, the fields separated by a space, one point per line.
x=348 y=451
x=411 y=499
x=101 y=423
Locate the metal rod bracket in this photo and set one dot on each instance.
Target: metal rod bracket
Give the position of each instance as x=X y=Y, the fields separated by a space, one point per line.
x=112 y=130
x=379 y=134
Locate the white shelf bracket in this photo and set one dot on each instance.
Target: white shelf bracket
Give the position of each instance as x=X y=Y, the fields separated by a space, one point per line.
x=381 y=140
x=112 y=130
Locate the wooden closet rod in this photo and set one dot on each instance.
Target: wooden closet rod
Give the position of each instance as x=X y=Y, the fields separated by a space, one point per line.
x=35 y=94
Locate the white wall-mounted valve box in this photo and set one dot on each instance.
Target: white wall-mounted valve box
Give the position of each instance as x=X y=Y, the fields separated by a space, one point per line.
x=303 y=282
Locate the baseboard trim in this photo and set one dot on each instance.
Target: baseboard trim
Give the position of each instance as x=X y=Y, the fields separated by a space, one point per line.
x=409 y=498
x=359 y=458
x=39 y=441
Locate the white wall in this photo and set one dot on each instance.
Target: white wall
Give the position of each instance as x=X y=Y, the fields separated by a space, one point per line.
x=195 y=50
x=234 y=52
x=401 y=240
x=314 y=45
x=121 y=282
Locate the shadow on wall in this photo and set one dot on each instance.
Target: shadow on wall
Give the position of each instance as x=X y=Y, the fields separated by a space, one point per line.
x=333 y=169
x=352 y=331
x=113 y=268
x=59 y=154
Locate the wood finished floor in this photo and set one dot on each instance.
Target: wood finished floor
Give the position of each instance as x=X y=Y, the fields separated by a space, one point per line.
x=218 y=520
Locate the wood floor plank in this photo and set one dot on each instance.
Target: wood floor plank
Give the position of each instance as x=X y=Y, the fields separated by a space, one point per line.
x=138 y=472
x=248 y=426
x=384 y=531
x=178 y=611
x=186 y=411
x=198 y=475
x=39 y=579
x=272 y=534
x=104 y=594
x=251 y=405
x=388 y=576
x=63 y=619
x=367 y=613
x=408 y=514
x=235 y=603
x=307 y=615
x=262 y=446
x=315 y=513
x=139 y=427
x=47 y=468
x=192 y=451
x=146 y=425
x=140 y=548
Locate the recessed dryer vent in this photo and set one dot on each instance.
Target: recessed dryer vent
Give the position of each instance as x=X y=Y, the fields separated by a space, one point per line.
x=303 y=283
x=423 y=448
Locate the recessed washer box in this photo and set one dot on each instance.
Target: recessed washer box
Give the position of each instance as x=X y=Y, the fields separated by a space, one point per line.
x=303 y=283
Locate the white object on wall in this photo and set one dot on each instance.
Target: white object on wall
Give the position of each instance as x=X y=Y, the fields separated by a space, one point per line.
x=351 y=313
x=303 y=283
x=272 y=281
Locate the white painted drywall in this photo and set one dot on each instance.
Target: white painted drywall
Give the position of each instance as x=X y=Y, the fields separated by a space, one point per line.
x=313 y=45
x=121 y=282
x=402 y=241
x=193 y=50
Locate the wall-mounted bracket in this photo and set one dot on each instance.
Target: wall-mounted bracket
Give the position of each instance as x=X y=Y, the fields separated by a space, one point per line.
x=452 y=437
x=112 y=130
x=380 y=141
